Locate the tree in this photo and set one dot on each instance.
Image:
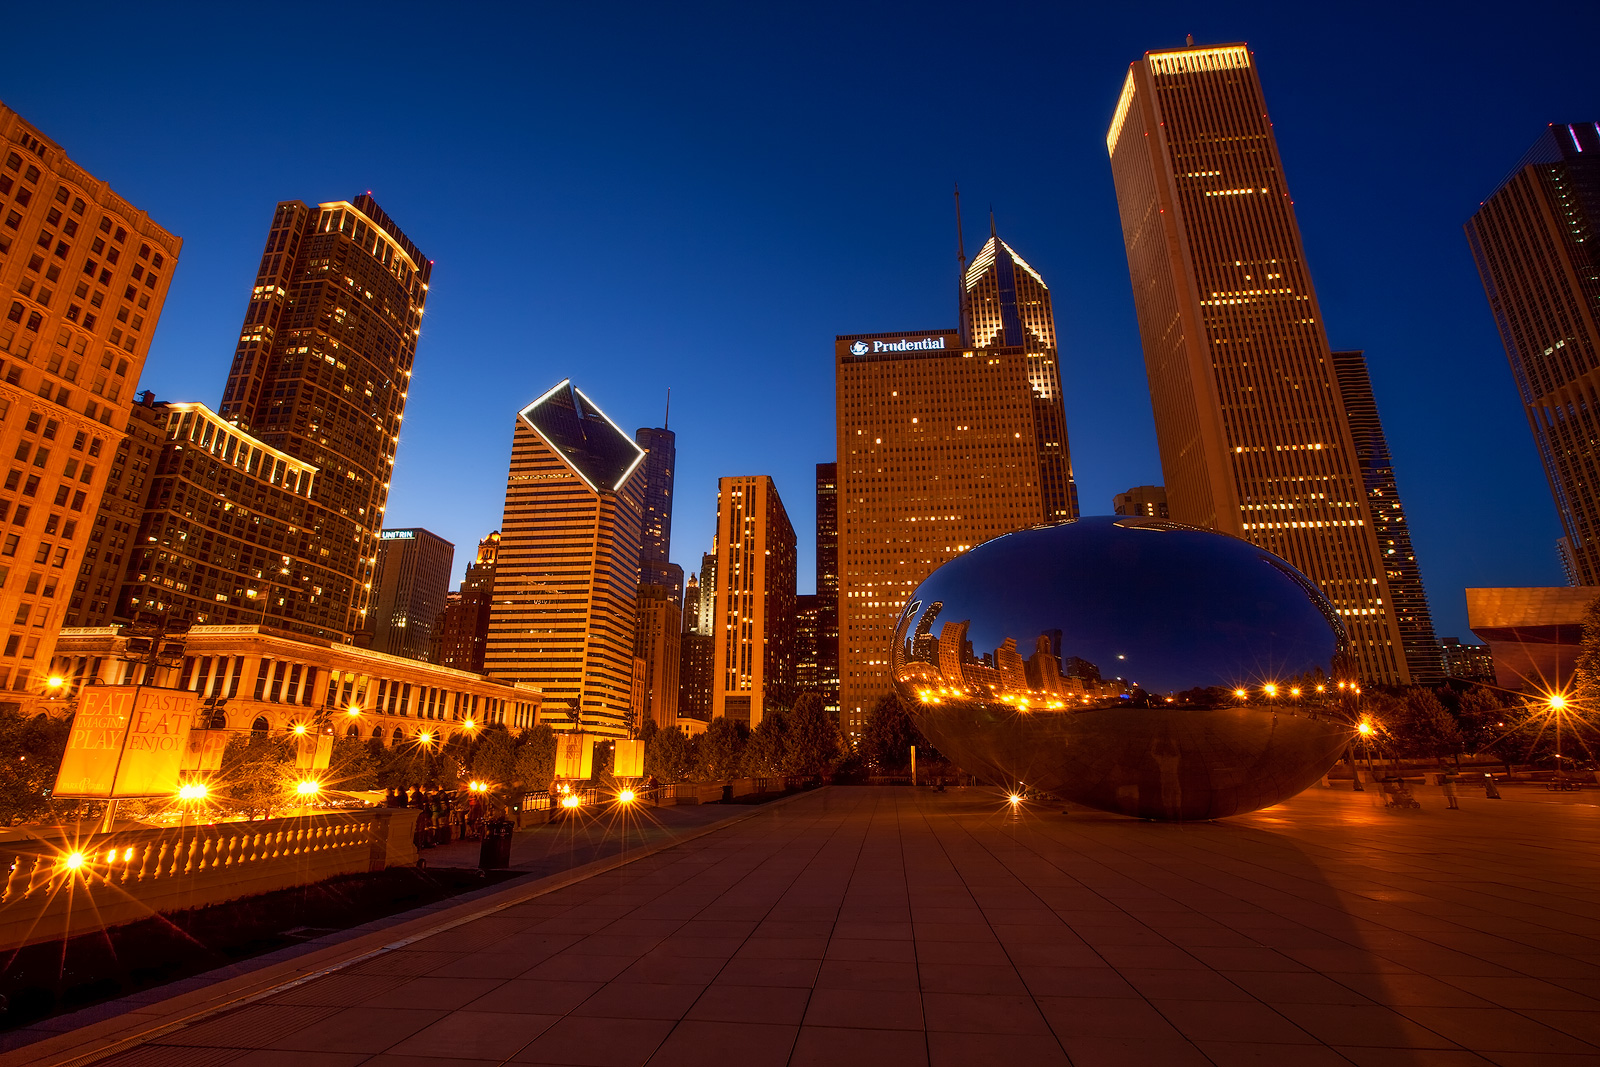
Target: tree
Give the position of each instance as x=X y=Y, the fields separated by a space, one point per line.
x=1585 y=686
x=494 y=757
x=1421 y=727
x=765 y=754
x=670 y=756
x=535 y=765
x=721 y=749
x=815 y=747
x=257 y=775
x=888 y=735
x=351 y=766
x=30 y=755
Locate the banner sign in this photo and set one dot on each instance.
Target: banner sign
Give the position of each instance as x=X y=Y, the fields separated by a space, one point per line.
x=126 y=741
x=629 y=762
x=574 y=755
x=204 y=750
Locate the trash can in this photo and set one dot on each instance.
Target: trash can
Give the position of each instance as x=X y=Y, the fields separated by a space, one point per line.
x=495 y=852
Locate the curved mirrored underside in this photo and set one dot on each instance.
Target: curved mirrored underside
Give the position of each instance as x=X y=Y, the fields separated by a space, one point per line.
x=1132 y=665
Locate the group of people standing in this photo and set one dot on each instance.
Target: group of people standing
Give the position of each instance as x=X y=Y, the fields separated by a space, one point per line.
x=441 y=814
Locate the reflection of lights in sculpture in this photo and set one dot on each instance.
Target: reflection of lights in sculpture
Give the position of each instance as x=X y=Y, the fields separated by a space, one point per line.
x=1212 y=622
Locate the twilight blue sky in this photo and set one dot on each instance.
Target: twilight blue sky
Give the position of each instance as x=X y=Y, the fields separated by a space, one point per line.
x=645 y=195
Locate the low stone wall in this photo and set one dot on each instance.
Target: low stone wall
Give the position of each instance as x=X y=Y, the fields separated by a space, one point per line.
x=131 y=875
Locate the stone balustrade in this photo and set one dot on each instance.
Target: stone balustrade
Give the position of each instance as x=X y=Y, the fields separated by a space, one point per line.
x=62 y=886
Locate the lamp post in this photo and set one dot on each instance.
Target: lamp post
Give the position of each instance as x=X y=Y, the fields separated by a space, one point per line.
x=1557 y=703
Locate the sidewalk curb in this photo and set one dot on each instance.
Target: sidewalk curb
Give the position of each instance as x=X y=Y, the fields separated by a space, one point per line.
x=98 y=1040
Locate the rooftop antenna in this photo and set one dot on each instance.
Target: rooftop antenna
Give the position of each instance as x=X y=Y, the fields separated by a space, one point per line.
x=961 y=276
x=992 y=234
x=668 y=415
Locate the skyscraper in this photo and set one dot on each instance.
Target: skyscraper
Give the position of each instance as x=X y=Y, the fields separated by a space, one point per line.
x=827 y=682
x=658 y=645
x=1535 y=241
x=660 y=460
x=807 y=670
x=413 y=576
x=941 y=447
x=1006 y=305
x=462 y=632
x=754 y=656
x=85 y=274
x=1409 y=598
x=567 y=568
x=322 y=370
x=708 y=592
x=1252 y=431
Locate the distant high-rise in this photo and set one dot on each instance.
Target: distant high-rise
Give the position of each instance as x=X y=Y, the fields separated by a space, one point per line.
x=84 y=275
x=708 y=591
x=657 y=645
x=941 y=447
x=1537 y=243
x=807 y=669
x=321 y=373
x=660 y=460
x=567 y=568
x=753 y=619
x=827 y=683
x=691 y=605
x=694 y=675
x=413 y=576
x=1149 y=501
x=1409 y=598
x=462 y=631
x=1252 y=431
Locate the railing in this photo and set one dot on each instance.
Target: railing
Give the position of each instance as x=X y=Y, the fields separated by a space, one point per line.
x=64 y=886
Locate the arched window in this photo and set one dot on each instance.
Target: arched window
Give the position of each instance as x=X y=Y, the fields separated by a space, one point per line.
x=219 y=720
x=260 y=725
x=377 y=735
x=398 y=736
x=354 y=731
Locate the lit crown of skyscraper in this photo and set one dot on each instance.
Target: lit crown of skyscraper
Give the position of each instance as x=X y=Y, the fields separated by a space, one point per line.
x=583 y=436
x=1005 y=301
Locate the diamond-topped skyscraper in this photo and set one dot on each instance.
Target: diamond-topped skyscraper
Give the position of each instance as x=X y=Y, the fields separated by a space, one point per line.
x=567 y=569
x=321 y=373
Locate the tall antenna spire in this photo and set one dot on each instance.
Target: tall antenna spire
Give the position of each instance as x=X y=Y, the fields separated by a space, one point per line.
x=668 y=415
x=991 y=226
x=961 y=272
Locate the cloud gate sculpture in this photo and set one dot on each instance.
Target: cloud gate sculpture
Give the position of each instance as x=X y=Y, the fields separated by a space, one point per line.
x=1132 y=665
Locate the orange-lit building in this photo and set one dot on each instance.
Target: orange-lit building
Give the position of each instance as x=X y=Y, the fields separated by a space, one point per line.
x=1253 y=433
x=753 y=652
x=85 y=274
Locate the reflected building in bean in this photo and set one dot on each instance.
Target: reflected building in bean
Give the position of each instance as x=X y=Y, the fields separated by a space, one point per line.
x=1134 y=665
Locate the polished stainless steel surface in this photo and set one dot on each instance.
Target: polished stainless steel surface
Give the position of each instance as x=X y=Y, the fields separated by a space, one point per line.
x=1132 y=665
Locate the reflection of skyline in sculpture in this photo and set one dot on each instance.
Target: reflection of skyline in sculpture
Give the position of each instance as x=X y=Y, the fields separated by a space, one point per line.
x=945 y=666
x=1133 y=665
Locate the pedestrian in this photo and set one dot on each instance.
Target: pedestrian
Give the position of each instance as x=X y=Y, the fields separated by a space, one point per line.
x=1450 y=800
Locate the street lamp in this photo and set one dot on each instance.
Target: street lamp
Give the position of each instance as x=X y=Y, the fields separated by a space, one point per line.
x=1557 y=703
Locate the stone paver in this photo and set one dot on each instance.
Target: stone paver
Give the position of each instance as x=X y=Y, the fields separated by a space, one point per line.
x=892 y=926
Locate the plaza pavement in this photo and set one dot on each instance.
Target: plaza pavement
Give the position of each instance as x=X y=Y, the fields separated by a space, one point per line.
x=895 y=926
